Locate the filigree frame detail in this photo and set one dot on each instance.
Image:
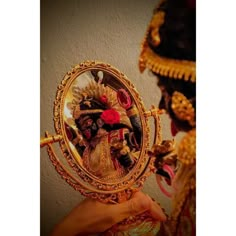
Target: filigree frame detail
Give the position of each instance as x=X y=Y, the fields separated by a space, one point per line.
x=117 y=190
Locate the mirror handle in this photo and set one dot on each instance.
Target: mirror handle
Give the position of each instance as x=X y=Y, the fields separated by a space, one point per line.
x=49 y=139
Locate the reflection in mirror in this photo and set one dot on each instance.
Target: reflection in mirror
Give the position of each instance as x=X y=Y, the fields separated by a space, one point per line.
x=102 y=125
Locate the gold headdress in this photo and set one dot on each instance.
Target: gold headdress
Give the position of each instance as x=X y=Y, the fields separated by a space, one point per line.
x=99 y=92
x=155 y=46
x=164 y=66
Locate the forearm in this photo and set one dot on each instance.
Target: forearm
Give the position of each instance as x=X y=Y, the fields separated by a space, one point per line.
x=66 y=228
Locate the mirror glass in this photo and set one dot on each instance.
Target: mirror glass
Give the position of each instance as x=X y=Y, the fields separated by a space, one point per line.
x=104 y=139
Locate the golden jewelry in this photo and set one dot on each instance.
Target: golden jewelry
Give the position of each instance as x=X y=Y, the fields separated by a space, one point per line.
x=172 y=68
x=155 y=24
x=187 y=148
x=183 y=108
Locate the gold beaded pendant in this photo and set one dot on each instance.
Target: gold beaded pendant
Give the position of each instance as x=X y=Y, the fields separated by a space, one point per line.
x=183 y=108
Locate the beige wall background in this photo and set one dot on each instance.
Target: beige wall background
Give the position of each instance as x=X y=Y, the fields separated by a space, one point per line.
x=75 y=31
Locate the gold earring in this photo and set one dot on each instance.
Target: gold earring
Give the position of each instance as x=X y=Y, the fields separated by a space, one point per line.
x=183 y=108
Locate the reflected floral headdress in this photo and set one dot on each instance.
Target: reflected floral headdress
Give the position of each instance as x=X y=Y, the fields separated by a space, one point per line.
x=106 y=100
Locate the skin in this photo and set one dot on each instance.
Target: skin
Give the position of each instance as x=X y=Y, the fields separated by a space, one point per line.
x=84 y=221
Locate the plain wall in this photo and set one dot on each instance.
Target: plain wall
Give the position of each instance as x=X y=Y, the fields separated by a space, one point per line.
x=72 y=32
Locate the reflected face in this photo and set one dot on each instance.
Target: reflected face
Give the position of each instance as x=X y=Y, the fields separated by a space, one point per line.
x=88 y=126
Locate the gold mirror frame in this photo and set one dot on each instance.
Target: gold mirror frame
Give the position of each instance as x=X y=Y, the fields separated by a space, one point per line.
x=88 y=185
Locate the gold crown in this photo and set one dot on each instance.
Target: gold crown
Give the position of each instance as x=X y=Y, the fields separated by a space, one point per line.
x=172 y=68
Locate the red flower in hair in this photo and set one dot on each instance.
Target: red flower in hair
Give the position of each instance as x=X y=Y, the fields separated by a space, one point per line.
x=110 y=117
x=103 y=99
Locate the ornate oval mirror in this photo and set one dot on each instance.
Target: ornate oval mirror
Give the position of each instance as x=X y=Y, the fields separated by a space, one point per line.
x=102 y=128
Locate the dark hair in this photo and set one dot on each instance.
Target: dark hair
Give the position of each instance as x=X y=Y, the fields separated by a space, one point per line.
x=178 y=32
x=186 y=87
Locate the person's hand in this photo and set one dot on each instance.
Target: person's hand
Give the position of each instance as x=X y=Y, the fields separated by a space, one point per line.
x=92 y=216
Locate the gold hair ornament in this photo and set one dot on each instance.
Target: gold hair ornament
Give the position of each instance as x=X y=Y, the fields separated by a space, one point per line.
x=172 y=68
x=183 y=108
